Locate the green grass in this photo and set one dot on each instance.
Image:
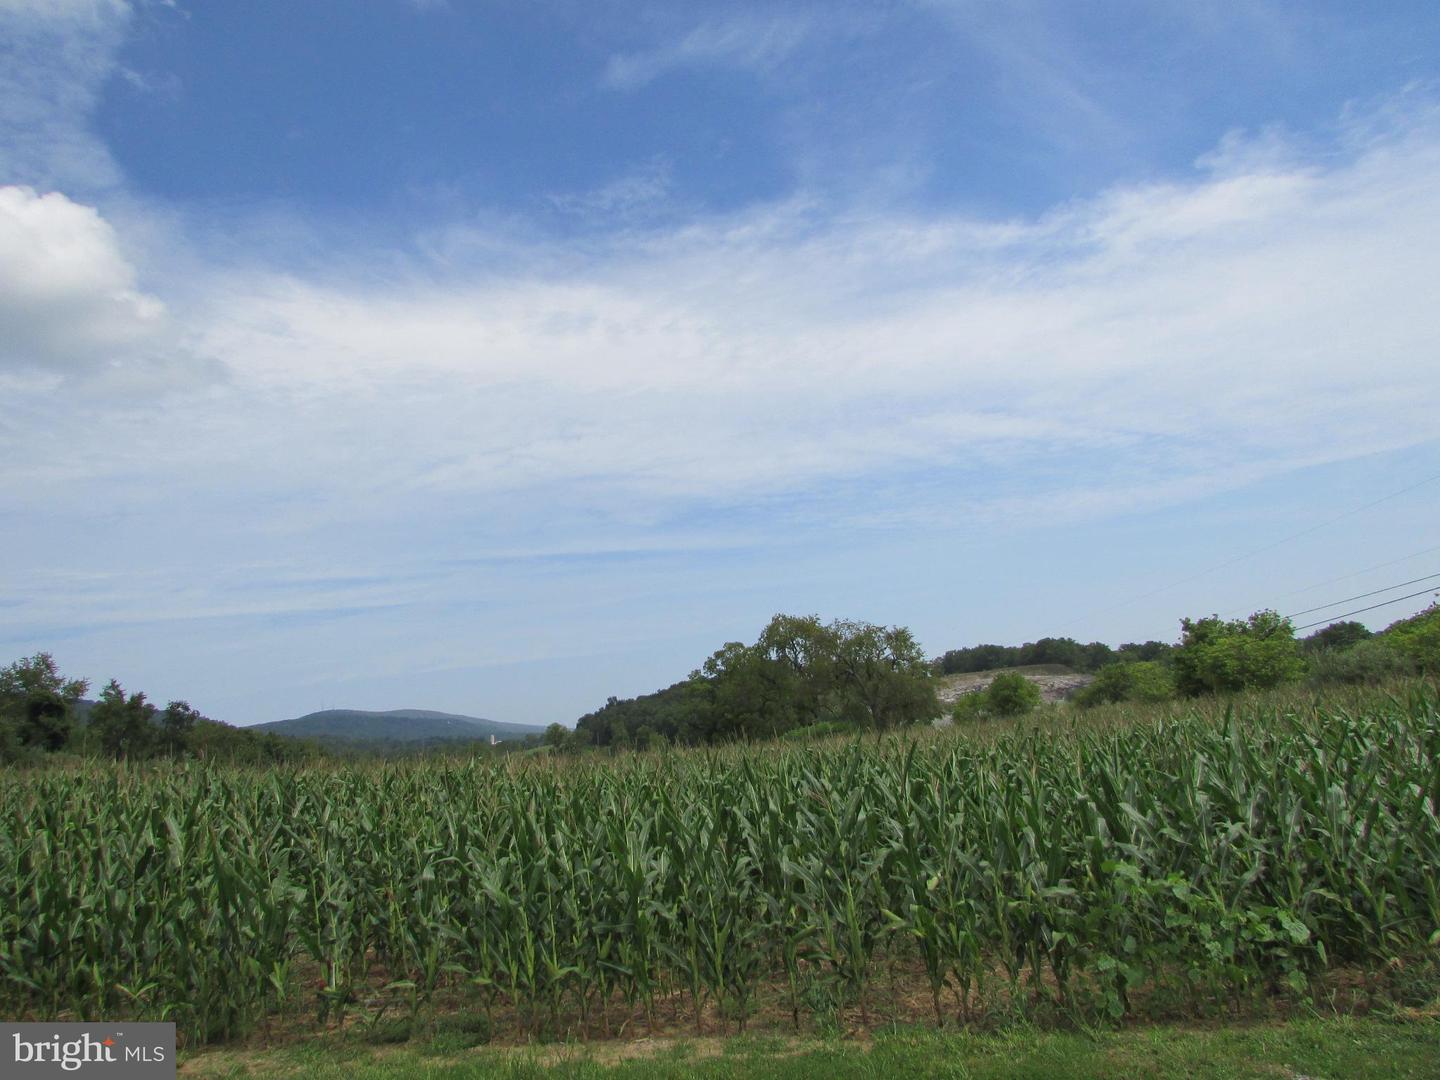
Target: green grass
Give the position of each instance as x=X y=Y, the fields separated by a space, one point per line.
x=1331 y=1048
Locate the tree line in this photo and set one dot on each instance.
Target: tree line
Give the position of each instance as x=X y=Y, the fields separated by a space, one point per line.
x=1226 y=656
x=801 y=678
x=1067 y=652
x=42 y=713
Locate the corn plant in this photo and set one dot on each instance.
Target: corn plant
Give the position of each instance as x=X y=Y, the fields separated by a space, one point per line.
x=1218 y=858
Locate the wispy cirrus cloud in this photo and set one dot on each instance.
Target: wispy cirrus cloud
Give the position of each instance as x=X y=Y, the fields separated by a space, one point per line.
x=392 y=427
x=1212 y=324
x=639 y=191
x=751 y=41
x=55 y=56
x=1042 y=76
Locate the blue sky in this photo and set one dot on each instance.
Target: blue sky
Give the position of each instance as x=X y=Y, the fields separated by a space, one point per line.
x=498 y=357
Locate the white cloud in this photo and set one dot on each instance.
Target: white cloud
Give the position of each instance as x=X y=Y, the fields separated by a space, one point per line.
x=789 y=375
x=1269 y=314
x=1241 y=324
x=68 y=296
x=63 y=10
x=642 y=190
x=1039 y=68
x=55 y=56
x=751 y=42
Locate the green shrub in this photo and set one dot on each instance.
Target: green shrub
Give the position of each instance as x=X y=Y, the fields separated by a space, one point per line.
x=1010 y=694
x=1112 y=684
x=818 y=731
x=1369 y=663
x=969 y=707
x=1145 y=680
x=1340 y=635
x=1153 y=682
x=1417 y=638
x=12 y=750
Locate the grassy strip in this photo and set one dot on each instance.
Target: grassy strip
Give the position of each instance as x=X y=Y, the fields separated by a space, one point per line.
x=1329 y=1048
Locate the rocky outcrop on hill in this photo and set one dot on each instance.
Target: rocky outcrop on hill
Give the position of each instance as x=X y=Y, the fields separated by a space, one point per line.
x=1054 y=686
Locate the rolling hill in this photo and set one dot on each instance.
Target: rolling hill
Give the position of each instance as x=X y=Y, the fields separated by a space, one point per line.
x=396 y=725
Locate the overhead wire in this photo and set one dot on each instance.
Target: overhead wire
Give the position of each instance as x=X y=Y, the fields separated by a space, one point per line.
x=1361 y=611
x=1357 y=573
x=1362 y=596
x=1343 y=577
x=1258 y=551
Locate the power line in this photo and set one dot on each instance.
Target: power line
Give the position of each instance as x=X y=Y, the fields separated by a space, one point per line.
x=1362 y=596
x=1258 y=551
x=1357 y=573
x=1344 y=577
x=1361 y=611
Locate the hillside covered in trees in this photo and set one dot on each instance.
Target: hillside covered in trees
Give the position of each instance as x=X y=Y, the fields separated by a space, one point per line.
x=400 y=726
x=800 y=673
x=805 y=677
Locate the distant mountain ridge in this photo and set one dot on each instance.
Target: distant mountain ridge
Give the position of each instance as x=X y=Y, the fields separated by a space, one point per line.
x=395 y=725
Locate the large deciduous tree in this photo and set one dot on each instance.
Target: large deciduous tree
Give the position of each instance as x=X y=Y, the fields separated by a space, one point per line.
x=881 y=674
x=123 y=724
x=177 y=727
x=1218 y=656
x=37 y=702
x=802 y=671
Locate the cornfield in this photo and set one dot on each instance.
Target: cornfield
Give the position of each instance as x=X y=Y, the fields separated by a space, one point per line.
x=1206 y=858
